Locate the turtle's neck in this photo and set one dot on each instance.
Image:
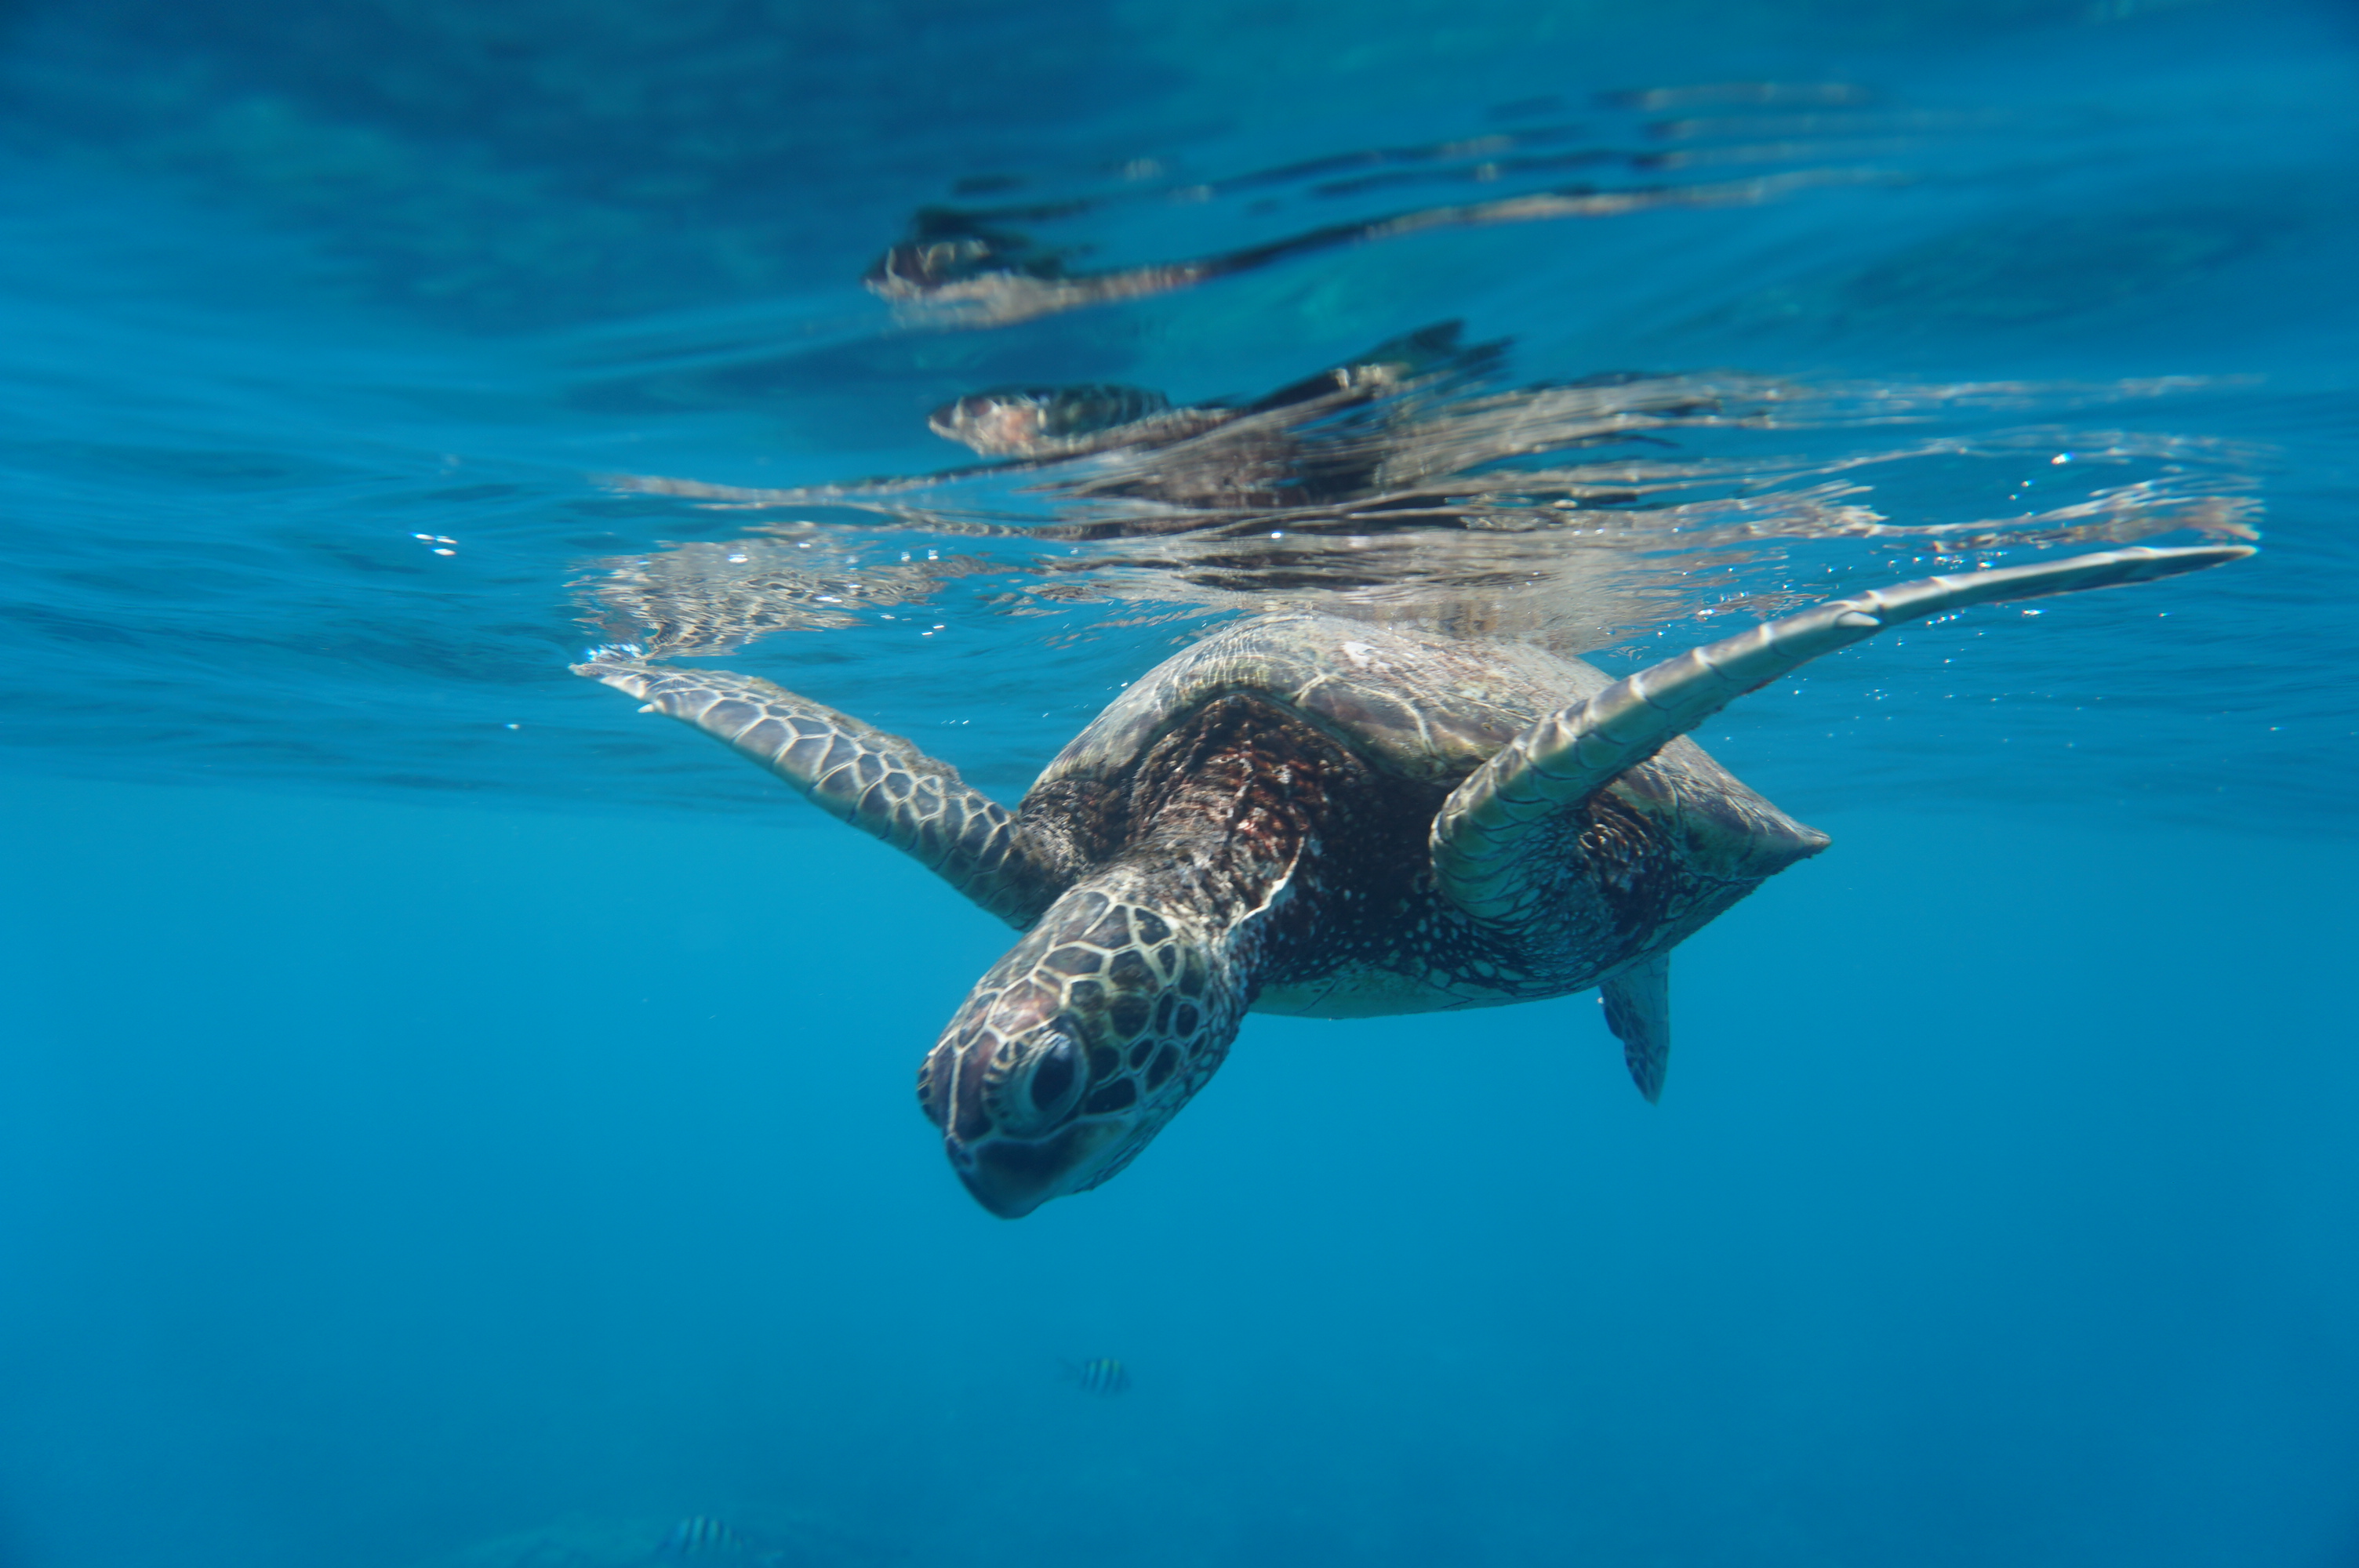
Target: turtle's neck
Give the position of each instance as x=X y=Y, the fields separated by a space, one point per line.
x=1250 y=842
x=1242 y=822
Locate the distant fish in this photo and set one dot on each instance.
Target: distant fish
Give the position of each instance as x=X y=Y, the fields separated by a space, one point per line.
x=1103 y=1375
x=698 y=1536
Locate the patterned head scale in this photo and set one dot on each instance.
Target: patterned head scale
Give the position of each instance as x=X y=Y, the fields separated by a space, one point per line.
x=1076 y=1048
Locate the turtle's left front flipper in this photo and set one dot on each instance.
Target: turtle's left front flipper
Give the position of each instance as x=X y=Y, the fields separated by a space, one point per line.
x=1482 y=831
x=878 y=783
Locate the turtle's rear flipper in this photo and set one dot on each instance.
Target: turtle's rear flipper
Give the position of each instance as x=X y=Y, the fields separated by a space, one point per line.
x=878 y=783
x=1483 y=830
x=1639 y=1010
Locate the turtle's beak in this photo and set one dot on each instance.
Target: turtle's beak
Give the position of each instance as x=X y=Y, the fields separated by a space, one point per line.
x=1013 y=1176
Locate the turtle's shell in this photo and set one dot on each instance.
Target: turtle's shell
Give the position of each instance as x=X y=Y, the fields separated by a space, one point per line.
x=1428 y=712
x=1418 y=708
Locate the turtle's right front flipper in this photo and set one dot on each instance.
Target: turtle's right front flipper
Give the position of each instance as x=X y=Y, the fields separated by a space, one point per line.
x=878 y=783
x=1486 y=834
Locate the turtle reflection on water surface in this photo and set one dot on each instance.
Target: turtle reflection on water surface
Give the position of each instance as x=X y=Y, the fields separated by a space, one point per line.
x=1311 y=815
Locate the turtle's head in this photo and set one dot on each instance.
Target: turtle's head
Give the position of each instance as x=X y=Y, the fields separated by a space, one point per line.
x=1076 y=1049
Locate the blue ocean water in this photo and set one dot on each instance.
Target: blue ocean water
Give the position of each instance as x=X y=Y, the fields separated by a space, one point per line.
x=450 y=1120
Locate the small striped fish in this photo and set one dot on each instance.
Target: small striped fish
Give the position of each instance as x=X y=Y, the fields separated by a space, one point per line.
x=698 y=1536
x=1103 y=1375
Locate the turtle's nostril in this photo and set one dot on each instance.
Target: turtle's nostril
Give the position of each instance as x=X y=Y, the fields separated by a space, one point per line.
x=1052 y=1080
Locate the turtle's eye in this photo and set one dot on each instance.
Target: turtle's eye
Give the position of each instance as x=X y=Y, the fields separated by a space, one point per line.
x=1056 y=1076
x=1042 y=1086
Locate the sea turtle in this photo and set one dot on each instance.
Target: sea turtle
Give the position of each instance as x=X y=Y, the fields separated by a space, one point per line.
x=1297 y=446
x=1405 y=436
x=1366 y=434
x=1059 y=421
x=1307 y=814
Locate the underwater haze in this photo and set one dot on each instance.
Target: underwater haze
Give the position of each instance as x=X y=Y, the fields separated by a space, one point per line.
x=450 y=1119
